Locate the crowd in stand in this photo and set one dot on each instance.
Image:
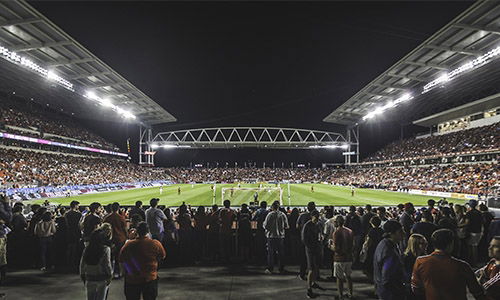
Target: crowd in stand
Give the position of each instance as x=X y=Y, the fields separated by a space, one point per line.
x=27 y=168
x=18 y=112
x=407 y=253
x=474 y=139
x=30 y=168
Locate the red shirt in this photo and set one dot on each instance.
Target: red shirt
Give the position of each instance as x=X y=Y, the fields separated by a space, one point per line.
x=226 y=217
x=440 y=276
x=140 y=259
x=119 y=226
x=342 y=244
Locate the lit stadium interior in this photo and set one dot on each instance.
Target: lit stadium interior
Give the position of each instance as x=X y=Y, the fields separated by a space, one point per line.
x=249 y=150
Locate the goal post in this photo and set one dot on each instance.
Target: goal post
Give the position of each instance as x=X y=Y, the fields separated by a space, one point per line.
x=268 y=194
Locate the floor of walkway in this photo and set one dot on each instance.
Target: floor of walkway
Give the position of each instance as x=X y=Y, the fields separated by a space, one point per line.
x=194 y=283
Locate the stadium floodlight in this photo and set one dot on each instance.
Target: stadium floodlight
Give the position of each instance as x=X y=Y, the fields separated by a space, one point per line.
x=476 y=63
x=15 y=58
x=379 y=110
x=328 y=146
x=107 y=103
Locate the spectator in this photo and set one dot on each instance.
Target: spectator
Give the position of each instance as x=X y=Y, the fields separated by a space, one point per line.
x=226 y=218
x=96 y=267
x=73 y=217
x=312 y=240
x=407 y=219
x=119 y=235
x=365 y=219
x=91 y=221
x=154 y=219
x=275 y=224
x=140 y=259
x=388 y=268
x=373 y=238
x=201 y=220
x=439 y=276
x=244 y=232
x=353 y=222
x=474 y=226
x=301 y=221
x=45 y=230
x=417 y=246
x=426 y=228
x=489 y=275
x=343 y=243
x=138 y=210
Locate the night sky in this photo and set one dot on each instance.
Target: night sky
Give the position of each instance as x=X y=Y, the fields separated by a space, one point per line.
x=251 y=64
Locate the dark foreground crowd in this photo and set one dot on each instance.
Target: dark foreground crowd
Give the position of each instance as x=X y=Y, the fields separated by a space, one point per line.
x=408 y=253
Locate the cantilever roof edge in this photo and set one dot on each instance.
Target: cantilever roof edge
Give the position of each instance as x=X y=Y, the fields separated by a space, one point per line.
x=471 y=34
x=27 y=31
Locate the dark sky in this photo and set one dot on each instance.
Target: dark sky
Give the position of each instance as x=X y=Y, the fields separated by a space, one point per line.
x=255 y=64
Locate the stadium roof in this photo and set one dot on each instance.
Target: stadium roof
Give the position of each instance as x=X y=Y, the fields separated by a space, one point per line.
x=480 y=105
x=459 y=44
x=27 y=33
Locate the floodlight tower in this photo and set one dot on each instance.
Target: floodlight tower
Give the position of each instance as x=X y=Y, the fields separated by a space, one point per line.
x=146 y=153
x=352 y=136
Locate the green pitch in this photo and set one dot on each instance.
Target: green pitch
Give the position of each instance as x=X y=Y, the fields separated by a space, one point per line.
x=300 y=195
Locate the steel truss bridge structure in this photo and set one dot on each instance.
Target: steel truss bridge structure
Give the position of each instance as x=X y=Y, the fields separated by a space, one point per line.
x=248 y=137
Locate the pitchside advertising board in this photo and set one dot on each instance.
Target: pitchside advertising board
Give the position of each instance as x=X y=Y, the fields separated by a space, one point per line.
x=444 y=194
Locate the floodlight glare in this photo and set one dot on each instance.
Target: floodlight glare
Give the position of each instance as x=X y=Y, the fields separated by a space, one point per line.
x=476 y=63
x=106 y=102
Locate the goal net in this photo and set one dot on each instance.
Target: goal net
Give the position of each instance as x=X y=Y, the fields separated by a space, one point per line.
x=247 y=195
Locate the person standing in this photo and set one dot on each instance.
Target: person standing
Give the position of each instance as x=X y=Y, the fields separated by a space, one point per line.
x=5 y=218
x=96 y=267
x=342 y=244
x=373 y=237
x=260 y=235
x=439 y=276
x=119 y=236
x=312 y=239
x=140 y=259
x=489 y=275
x=154 y=219
x=244 y=232
x=73 y=217
x=45 y=230
x=417 y=246
x=407 y=219
x=137 y=210
x=275 y=224
x=474 y=227
x=301 y=221
x=353 y=222
x=91 y=221
x=226 y=218
x=388 y=268
x=426 y=228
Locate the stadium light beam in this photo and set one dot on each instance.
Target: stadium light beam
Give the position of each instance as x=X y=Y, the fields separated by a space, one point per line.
x=381 y=109
x=476 y=63
x=13 y=57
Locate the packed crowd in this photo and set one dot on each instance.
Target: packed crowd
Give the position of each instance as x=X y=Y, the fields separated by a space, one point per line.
x=30 y=115
x=474 y=139
x=459 y=178
x=407 y=253
x=28 y=168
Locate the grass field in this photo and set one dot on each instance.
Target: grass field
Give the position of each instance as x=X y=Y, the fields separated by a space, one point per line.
x=300 y=195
